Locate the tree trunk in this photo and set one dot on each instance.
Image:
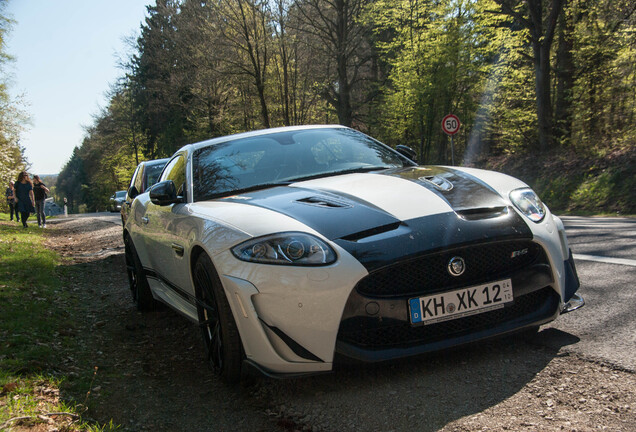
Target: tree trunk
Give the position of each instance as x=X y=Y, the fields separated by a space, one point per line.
x=261 y=96
x=344 y=93
x=344 y=90
x=565 y=80
x=542 y=88
x=541 y=36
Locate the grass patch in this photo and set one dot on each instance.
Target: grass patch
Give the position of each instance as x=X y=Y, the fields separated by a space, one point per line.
x=36 y=316
x=610 y=191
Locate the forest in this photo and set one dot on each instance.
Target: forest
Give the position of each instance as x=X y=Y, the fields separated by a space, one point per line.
x=545 y=90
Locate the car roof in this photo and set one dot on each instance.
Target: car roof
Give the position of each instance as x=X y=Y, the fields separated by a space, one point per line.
x=155 y=162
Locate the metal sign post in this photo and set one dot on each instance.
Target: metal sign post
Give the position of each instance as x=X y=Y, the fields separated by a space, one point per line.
x=450 y=126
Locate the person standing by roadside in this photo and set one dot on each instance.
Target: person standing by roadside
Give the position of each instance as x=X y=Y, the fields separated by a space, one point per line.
x=40 y=190
x=24 y=198
x=11 y=202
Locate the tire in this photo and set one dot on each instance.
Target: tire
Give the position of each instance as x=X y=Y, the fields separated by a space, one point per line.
x=141 y=294
x=221 y=338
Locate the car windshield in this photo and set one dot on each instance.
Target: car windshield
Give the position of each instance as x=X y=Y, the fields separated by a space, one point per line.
x=120 y=194
x=279 y=158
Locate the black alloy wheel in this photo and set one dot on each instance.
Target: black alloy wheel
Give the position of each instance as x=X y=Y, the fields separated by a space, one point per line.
x=141 y=294
x=220 y=334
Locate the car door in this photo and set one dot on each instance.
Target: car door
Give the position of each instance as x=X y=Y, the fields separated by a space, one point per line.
x=165 y=230
x=125 y=208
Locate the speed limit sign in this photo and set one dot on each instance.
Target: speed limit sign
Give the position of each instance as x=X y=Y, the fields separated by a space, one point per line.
x=451 y=124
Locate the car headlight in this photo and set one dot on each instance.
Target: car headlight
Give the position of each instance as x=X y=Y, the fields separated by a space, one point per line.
x=291 y=248
x=529 y=204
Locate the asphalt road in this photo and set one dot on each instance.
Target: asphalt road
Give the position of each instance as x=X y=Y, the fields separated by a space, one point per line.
x=605 y=255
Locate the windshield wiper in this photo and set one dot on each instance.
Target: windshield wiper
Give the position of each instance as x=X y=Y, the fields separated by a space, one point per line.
x=364 y=169
x=332 y=173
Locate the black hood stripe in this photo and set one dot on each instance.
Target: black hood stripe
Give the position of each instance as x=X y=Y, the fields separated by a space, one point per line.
x=375 y=236
x=333 y=222
x=467 y=192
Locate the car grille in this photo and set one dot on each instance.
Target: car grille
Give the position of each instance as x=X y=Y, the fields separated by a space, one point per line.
x=369 y=332
x=429 y=274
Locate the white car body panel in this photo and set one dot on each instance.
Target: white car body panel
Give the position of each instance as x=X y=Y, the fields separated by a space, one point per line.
x=306 y=303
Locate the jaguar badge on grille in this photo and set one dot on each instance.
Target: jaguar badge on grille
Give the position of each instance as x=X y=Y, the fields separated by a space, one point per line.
x=456 y=266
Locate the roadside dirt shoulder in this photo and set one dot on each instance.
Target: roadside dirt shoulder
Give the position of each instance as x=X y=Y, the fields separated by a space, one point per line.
x=149 y=374
x=147 y=370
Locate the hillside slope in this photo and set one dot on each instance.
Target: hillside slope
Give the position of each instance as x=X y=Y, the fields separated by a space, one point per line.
x=575 y=182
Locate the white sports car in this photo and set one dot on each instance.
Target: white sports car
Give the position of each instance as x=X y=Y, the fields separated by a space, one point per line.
x=294 y=248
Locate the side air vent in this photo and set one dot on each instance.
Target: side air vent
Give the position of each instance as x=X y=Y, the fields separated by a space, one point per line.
x=483 y=213
x=439 y=182
x=325 y=202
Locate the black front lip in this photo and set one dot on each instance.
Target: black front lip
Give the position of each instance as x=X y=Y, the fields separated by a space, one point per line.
x=394 y=312
x=346 y=352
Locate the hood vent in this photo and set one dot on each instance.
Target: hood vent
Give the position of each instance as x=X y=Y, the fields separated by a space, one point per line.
x=483 y=213
x=371 y=232
x=439 y=182
x=324 y=202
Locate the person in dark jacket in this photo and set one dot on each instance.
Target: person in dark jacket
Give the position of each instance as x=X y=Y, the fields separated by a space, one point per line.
x=39 y=191
x=24 y=199
x=11 y=202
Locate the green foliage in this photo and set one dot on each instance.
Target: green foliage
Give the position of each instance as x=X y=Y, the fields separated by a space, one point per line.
x=605 y=59
x=444 y=57
x=613 y=190
x=610 y=191
x=390 y=68
x=581 y=183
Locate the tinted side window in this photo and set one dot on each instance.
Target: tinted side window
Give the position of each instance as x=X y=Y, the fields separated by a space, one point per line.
x=152 y=173
x=138 y=177
x=176 y=171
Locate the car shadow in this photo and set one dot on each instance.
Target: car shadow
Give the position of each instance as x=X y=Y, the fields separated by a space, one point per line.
x=422 y=393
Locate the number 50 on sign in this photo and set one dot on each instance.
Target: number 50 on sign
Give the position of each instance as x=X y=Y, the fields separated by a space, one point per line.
x=451 y=124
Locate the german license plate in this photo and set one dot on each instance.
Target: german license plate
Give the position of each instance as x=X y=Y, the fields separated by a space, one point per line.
x=460 y=303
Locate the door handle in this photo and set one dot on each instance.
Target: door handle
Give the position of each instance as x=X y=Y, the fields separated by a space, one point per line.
x=178 y=249
x=145 y=219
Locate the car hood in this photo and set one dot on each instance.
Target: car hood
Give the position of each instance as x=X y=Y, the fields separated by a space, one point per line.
x=403 y=210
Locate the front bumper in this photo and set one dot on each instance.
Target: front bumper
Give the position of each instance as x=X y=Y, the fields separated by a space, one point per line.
x=303 y=330
x=376 y=322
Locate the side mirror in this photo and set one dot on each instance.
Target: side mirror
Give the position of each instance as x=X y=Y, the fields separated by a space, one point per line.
x=164 y=193
x=132 y=192
x=407 y=152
